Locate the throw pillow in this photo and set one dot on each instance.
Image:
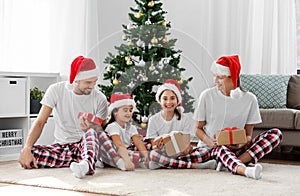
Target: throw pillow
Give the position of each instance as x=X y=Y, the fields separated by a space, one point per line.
x=270 y=90
x=293 y=93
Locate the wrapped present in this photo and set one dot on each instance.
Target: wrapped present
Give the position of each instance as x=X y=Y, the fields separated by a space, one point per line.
x=90 y=117
x=176 y=142
x=229 y=136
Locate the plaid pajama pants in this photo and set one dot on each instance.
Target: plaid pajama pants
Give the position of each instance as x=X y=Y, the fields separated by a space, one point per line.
x=259 y=146
x=133 y=153
x=61 y=155
x=197 y=155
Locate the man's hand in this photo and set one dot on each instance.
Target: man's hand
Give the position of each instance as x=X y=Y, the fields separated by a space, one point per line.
x=27 y=160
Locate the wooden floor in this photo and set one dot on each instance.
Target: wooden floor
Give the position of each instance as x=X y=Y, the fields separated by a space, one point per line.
x=278 y=157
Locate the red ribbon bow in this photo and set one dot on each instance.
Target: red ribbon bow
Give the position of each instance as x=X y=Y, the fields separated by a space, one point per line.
x=230 y=133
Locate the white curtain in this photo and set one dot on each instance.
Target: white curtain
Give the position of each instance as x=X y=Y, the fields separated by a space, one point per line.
x=262 y=32
x=45 y=36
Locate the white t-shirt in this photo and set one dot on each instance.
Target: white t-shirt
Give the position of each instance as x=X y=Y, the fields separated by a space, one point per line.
x=158 y=126
x=66 y=105
x=124 y=133
x=220 y=111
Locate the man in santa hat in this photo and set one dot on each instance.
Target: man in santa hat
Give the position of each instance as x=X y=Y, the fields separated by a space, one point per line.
x=228 y=105
x=77 y=141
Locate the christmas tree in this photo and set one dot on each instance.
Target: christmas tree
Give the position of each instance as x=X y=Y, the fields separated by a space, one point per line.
x=145 y=60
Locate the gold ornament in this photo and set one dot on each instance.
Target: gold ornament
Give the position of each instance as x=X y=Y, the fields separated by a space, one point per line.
x=143 y=125
x=129 y=62
x=154 y=40
x=108 y=69
x=115 y=81
x=164 y=23
x=150 y=3
x=139 y=14
x=152 y=67
x=180 y=81
x=130 y=43
x=127 y=58
x=165 y=40
x=145 y=78
x=124 y=37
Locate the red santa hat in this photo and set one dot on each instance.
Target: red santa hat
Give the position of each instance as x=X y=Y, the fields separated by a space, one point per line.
x=172 y=85
x=83 y=68
x=118 y=100
x=228 y=66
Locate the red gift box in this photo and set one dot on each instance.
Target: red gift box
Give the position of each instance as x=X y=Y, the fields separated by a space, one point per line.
x=90 y=117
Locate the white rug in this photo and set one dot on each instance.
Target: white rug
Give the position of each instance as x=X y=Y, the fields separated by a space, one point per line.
x=277 y=180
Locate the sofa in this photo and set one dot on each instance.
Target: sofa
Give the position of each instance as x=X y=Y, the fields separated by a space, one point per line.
x=279 y=102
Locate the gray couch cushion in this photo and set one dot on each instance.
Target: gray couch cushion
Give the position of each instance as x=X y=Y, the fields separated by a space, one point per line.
x=277 y=118
x=297 y=120
x=293 y=93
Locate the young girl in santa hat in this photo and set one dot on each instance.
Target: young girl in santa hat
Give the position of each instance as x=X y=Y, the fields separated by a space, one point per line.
x=228 y=105
x=123 y=134
x=169 y=119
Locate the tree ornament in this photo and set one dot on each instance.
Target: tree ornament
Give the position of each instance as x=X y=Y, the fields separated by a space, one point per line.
x=152 y=67
x=115 y=81
x=166 y=61
x=108 y=69
x=180 y=81
x=141 y=63
x=124 y=37
x=131 y=84
x=130 y=43
x=145 y=78
x=165 y=40
x=139 y=14
x=129 y=62
x=143 y=125
x=164 y=23
x=127 y=58
x=145 y=119
x=154 y=40
x=139 y=43
x=150 y=3
x=148 y=22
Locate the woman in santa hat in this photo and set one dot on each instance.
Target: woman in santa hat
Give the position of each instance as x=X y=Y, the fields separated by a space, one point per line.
x=228 y=105
x=170 y=119
x=125 y=135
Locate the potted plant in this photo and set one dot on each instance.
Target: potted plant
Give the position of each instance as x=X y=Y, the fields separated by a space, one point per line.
x=36 y=96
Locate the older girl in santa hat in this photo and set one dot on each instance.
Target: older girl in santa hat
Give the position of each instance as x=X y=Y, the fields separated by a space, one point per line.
x=123 y=134
x=228 y=105
x=169 y=119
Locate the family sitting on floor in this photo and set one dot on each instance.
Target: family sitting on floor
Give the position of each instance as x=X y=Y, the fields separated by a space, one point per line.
x=83 y=145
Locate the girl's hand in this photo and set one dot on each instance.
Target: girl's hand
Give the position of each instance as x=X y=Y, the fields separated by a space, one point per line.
x=159 y=143
x=129 y=165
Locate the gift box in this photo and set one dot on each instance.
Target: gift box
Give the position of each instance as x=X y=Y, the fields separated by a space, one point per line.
x=176 y=142
x=229 y=136
x=91 y=118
